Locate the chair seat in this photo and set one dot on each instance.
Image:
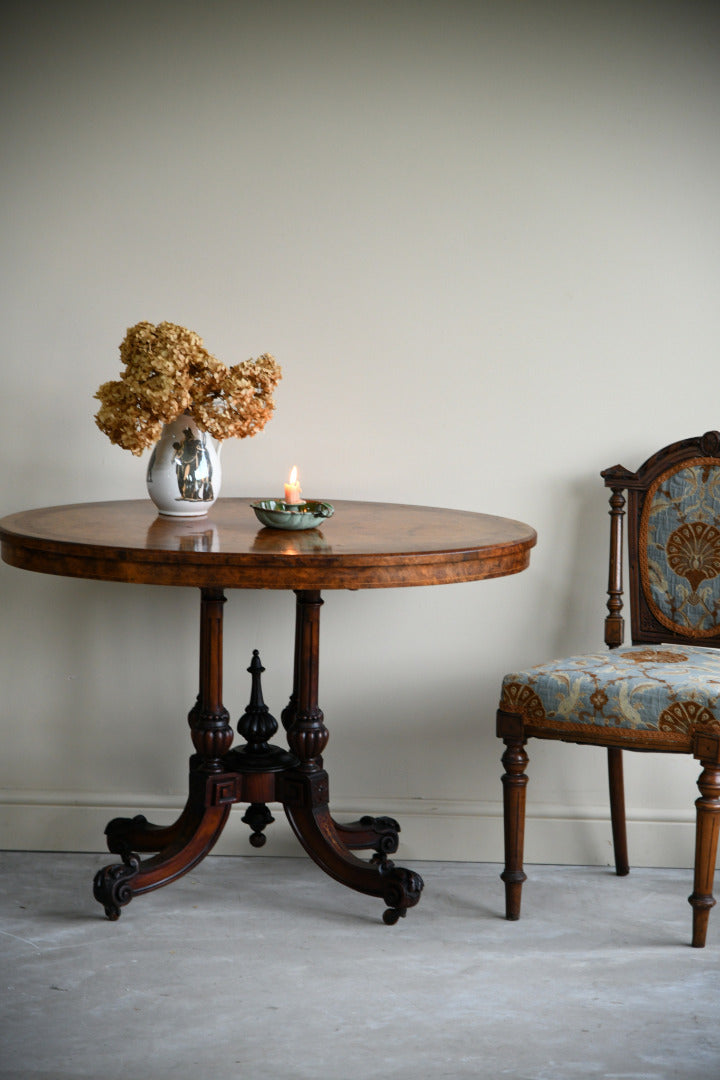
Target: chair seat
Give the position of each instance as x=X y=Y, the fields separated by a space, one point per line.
x=664 y=693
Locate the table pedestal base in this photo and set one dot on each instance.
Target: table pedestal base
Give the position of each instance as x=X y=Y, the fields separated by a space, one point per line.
x=257 y=773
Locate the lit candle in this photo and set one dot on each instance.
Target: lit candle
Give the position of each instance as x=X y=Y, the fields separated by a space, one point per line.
x=293 y=490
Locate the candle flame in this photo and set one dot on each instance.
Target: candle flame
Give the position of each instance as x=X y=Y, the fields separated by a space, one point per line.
x=293 y=475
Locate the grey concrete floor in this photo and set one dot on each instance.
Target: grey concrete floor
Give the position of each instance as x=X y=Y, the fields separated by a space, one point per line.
x=263 y=967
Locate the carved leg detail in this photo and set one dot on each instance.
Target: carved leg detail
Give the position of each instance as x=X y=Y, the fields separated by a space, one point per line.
x=112 y=888
x=403 y=889
x=316 y=831
x=125 y=835
x=514 y=785
x=183 y=844
x=304 y=790
x=115 y=885
x=706 y=843
x=380 y=834
x=209 y=720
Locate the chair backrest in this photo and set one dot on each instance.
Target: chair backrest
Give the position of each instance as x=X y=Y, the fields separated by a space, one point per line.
x=673 y=514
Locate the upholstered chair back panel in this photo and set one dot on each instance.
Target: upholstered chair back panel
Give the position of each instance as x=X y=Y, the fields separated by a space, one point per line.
x=679 y=549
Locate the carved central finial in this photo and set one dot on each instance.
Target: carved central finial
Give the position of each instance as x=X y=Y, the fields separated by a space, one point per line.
x=257 y=725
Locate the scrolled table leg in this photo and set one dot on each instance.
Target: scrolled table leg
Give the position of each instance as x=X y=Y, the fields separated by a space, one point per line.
x=115 y=885
x=187 y=841
x=306 y=807
x=112 y=886
x=304 y=791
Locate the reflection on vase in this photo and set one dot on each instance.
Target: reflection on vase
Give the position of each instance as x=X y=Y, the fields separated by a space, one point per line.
x=184 y=473
x=194 y=468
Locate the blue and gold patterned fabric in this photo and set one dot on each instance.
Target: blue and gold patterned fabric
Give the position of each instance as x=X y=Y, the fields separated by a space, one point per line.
x=671 y=690
x=679 y=546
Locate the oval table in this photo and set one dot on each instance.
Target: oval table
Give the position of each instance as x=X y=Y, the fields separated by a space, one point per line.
x=364 y=545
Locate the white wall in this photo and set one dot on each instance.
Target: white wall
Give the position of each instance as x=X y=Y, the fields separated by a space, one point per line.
x=483 y=241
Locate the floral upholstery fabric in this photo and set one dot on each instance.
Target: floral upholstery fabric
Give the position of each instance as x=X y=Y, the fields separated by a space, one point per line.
x=669 y=689
x=680 y=549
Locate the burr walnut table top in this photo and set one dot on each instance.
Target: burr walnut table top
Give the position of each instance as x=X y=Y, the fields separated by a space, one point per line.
x=364 y=545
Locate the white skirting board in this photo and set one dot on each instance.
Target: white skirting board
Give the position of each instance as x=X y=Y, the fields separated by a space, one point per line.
x=430 y=830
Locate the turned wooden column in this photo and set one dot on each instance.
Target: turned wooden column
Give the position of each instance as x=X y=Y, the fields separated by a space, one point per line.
x=706 y=845
x=514 y=782
x=307 y=734
x=209 y=720
x=614 y=622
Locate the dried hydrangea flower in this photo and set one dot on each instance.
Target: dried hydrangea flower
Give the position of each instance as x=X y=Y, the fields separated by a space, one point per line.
x=242 y=404
x=123 y=419
x=169 y=371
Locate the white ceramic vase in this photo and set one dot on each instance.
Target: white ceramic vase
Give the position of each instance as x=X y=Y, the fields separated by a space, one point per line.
x=184 y=472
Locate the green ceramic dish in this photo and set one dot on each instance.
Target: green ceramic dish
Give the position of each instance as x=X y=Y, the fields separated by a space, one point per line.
x=277 y=514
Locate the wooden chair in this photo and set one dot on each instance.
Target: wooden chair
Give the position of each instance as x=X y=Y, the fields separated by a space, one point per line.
x=663 y=692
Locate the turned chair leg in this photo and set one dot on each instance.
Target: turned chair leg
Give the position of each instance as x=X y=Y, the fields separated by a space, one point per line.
x=706 y=842
x=617 y=810
x=514 y=786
